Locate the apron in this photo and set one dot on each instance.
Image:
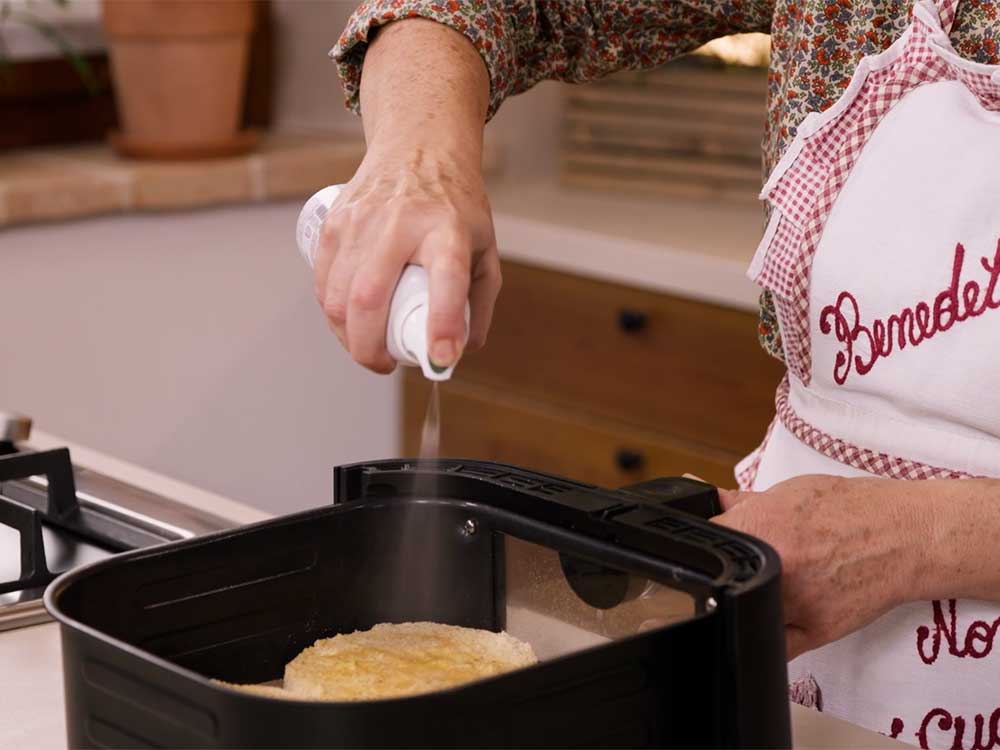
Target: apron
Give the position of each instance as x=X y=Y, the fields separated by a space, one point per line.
x=883 y=256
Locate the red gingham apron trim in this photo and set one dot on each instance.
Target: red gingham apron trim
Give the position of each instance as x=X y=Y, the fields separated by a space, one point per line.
x=874 y=462
x=947 y=10
x=803 y=196
x=748 y=474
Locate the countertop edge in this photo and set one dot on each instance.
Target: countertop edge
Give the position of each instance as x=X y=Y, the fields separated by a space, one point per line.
x=152 y=481
x=655 y=267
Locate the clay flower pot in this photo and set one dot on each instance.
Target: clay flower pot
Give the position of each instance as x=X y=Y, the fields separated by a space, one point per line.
x=179 y=69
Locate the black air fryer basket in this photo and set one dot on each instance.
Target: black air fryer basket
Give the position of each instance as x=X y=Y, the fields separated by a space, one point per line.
x=653 y=626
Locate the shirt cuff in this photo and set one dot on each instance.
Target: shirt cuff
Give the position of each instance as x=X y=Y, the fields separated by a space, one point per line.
x=484 y=28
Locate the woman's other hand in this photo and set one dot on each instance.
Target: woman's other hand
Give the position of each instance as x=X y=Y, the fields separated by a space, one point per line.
x=851 y=549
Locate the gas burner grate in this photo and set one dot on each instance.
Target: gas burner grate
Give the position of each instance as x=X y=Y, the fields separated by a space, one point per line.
x=60 y=508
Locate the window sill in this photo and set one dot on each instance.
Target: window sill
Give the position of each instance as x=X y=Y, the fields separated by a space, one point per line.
x=70 y=182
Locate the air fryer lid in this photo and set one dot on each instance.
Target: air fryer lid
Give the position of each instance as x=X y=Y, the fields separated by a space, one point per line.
x=628 y=590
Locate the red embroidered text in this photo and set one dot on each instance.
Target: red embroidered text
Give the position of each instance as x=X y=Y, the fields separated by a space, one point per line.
x=976 y=643
x=863 y=345
x=985 y=732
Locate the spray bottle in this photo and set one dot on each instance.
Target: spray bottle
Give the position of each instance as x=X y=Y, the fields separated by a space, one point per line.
x=406 y=328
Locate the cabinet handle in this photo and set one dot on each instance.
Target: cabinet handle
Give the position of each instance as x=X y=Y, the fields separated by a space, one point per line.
x=632 y=321
x=629 y=460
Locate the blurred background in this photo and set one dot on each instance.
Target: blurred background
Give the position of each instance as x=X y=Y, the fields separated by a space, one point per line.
x=156 y=309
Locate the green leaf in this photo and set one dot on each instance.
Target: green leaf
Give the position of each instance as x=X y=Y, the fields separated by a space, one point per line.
x=5 y=62
x=74 y=58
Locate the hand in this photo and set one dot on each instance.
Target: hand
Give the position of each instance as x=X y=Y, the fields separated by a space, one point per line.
x=408 y=210
x=418 y=197
x=850 y=549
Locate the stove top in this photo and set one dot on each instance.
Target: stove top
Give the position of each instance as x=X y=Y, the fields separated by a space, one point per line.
x=55 y=516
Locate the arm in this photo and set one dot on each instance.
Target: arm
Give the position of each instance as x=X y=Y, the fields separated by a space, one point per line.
x=426 y=75
x=852 y=549
x=418 y=197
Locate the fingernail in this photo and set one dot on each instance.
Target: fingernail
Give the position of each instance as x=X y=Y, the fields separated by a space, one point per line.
x=443 y=353
x=692 y=476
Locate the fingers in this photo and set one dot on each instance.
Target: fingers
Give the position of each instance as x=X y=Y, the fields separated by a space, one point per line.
x=337 y=285
x=486 y=283
x=367 y=311
x=695 y=478
x=368 y=299
x=355 y=287
x=448 y=270
x=332 y=240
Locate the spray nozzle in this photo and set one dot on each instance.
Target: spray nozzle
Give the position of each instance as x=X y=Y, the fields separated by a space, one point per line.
x=411 y=338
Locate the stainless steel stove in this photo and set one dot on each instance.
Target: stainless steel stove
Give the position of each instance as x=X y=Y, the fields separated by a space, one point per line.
x=55 y=516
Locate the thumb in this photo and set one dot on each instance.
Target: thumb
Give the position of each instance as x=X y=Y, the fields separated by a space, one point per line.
x=727 y=498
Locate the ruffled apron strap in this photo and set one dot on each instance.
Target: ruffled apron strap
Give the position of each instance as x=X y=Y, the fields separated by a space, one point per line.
x=947 y=10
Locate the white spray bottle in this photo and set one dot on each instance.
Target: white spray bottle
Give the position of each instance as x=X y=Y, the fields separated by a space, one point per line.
x=406 y=329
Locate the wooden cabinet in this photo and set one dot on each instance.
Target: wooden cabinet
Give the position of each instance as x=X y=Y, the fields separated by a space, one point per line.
x=604 y=383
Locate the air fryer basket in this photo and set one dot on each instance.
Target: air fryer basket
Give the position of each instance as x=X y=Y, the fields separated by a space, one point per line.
x=653 y=626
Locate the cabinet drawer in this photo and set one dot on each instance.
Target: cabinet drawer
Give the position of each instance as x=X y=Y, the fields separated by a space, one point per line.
x=479 y=423
x=687 y=369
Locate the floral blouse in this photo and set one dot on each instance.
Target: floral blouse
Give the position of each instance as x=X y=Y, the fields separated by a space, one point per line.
x=815 y=45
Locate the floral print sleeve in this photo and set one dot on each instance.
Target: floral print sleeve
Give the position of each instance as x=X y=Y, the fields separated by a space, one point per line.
x=525 y=41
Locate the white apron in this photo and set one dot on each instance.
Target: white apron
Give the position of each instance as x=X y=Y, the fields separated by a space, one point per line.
x=883 y=257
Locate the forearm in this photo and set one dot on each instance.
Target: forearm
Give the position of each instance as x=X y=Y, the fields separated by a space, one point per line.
x=418 y=197
x=959 y=521
x=424 y=87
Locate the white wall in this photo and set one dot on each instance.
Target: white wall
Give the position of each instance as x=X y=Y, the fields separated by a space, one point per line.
x=308 y=94
x=309 y=97
x=190 y=344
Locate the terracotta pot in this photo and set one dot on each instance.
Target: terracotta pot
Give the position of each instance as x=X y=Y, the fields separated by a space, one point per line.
x=179 y=68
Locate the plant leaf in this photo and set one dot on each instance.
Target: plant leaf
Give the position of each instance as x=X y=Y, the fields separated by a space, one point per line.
x=82 y=68
x=5 y=63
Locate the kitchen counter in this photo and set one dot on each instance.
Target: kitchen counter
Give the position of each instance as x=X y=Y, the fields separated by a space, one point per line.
x=686 y=247
x=31 y=693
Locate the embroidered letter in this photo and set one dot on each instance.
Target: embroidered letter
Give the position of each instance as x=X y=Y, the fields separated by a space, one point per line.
x=977 y=643
x=945 y=722
x=956 y=724
x=861 y=346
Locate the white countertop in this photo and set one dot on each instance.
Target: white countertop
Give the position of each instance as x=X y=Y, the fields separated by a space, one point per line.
x=31 y=691
x=691 y=248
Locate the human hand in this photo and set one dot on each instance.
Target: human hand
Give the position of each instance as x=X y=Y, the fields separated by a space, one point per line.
x=850 y=549
x=419 y=208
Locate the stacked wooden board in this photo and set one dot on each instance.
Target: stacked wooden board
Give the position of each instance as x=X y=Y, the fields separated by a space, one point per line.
x=692 y=127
